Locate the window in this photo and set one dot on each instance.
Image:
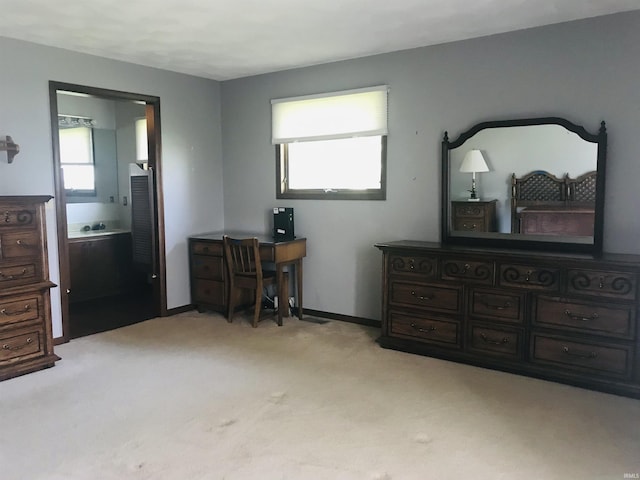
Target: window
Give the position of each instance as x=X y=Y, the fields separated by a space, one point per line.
x=331 y=146
x=142 y=148
x=76 y=159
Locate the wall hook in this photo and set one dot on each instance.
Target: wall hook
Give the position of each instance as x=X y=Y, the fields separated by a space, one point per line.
x=11 y=148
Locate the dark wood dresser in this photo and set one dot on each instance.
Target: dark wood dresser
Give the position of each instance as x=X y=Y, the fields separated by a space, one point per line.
x=474 y=216
x=26 y=341
x=566 y=318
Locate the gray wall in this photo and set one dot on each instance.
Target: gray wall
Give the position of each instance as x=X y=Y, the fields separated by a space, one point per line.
x=585 y=71
x=191 y=144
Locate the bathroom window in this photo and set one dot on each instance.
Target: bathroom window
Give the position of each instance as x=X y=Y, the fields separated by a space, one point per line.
x=77 y=160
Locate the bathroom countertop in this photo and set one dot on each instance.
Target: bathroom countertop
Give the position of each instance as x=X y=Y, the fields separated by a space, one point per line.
x=94 y=233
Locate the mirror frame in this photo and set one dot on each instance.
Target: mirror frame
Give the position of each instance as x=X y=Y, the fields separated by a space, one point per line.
x=515 y=241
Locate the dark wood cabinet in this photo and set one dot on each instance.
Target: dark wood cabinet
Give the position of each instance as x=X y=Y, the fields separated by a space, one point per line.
x=26 y=340
x=474 y=216
x=100 y=266
x=561 y=317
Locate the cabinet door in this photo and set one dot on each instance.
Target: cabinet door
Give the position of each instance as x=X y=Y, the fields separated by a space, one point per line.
x=100 y=267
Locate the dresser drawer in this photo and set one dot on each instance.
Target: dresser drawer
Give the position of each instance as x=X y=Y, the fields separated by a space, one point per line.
x=426 y=329
x=587 y=357
x=15 y=310
x=208 y=291
x=19 y=274
x=208 y=267
x=610 y=320
x=505 y=342
x=497 y=305
x=14 y=216
x=422 y=266
x=530 y=277
x=207 y=248
x=621 y=285
x=21 y=345
x=440 y=298
x=472 y=271
x=19 y=245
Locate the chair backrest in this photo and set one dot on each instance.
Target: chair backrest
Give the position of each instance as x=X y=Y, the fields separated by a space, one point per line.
x=243 y=256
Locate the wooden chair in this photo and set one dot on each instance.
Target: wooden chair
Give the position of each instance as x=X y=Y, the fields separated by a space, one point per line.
x=245 y=272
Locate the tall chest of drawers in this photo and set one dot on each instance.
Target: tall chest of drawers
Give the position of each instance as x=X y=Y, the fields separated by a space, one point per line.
x=566 y=318
x=26 y=340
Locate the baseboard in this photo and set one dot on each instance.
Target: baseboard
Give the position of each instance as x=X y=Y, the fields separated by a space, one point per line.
x=343 y=318
x=177 y=310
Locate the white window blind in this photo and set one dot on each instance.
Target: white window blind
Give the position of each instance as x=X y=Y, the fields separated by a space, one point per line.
x=76 y=145
x=328 y=116
x=142 y=147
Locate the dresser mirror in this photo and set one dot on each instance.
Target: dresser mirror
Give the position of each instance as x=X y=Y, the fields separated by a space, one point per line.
x=528 y=183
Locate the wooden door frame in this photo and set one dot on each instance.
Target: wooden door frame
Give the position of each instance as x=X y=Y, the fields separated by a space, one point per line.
x=155 y=155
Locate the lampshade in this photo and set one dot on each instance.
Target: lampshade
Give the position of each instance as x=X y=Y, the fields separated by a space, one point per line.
x=474 y=162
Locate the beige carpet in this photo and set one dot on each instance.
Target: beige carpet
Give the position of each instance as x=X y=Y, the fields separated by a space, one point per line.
x=193 y=397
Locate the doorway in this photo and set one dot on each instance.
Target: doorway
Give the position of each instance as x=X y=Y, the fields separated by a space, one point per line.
x=107 y=166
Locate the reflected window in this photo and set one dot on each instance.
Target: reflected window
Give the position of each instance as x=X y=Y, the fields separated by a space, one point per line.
x=77 y=160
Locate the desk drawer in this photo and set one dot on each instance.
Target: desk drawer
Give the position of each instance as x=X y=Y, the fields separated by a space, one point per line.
x=445 y=299
x=208 y=267
x=208 y=292
x=207 y=248
x=427 y=329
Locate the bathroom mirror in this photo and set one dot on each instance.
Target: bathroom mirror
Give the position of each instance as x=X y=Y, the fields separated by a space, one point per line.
x=526 y=183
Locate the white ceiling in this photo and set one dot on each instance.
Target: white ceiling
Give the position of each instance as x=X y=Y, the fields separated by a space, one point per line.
x=225 y=39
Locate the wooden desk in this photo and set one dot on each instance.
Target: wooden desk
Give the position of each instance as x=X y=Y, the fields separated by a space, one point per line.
x=208 y=270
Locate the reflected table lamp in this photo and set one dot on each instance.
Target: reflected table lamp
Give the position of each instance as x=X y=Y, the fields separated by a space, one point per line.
x=473 y=162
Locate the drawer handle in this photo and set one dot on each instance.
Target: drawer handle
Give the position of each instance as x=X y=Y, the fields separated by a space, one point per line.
x=429 y=329
x=586 y=355
x=412 y=265
x=19 y=312
x=504 y=306
x=7 y=217
x=527 y=278
x=6 y=346
x=486 y=339
x=12 y=277
x=421 y=297
x=580 y=316
x=473 y=226
x=601 y=283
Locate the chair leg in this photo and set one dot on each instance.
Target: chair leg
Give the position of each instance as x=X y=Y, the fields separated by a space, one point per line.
x=258 y=307
x=231 y=304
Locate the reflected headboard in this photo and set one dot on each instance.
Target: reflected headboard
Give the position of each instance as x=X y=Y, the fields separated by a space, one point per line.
x=554 y=206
